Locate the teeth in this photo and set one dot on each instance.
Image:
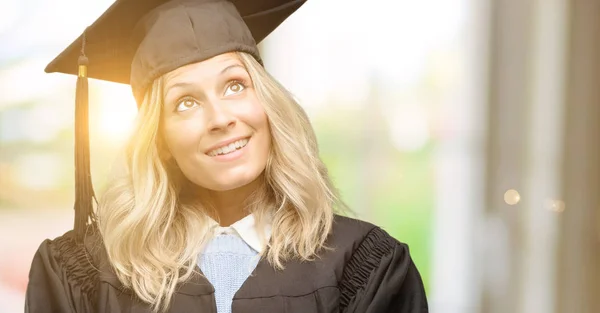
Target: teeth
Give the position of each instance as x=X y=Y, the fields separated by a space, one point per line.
x=229 y=148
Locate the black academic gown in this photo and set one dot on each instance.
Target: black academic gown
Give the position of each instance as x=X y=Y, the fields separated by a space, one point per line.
x=367 y=271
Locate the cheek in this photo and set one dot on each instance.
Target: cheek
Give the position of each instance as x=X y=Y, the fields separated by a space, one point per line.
x=261 y=125
x=181 y=138
x=258 y=120
x=256 y=117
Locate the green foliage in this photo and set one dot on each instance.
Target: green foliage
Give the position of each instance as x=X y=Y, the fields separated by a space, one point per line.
x=390 y=188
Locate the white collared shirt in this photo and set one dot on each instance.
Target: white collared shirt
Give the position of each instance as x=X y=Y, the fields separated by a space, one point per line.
x=246 y=229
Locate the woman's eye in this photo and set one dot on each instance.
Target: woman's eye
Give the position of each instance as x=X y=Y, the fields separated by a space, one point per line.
x=186 y=104
x=234 y=88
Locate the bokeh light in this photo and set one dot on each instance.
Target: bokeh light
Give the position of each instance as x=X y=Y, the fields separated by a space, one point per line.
x=512 y=197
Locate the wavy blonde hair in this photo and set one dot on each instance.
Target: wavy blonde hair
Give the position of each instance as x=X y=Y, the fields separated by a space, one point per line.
x=151 y=225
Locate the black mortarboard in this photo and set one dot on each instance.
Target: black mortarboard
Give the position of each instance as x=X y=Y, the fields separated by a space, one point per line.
x=136 y=41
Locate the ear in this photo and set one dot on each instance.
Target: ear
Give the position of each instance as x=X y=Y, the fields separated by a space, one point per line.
x=163 y=149
x=164 y=153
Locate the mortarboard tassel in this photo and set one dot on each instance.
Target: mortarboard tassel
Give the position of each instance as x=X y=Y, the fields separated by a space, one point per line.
x=84 y=191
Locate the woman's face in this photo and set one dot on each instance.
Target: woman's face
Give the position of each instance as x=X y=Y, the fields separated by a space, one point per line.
x=214 y=125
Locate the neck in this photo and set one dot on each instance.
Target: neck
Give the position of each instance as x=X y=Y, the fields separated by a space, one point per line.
x=229 y=206
x=227 y=214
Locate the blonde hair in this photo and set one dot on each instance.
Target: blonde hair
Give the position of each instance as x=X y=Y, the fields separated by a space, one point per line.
x=151 y=226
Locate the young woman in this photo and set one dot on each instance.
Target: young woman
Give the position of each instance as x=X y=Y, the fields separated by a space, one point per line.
x=222 y=203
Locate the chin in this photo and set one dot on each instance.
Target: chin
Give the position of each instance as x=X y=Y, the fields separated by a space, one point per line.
x=232 y=183
x=226 y=186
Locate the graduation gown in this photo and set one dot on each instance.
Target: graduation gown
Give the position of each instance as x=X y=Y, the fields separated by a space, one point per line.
x=366 y=271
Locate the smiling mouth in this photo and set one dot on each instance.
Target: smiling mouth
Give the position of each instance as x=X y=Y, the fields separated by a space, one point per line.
x=232 y=147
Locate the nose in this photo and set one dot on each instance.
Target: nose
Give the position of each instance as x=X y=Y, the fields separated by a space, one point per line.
x=220 y=118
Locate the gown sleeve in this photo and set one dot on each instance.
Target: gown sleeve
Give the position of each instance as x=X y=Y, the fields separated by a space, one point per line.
x=60 y=278
x=381 y=277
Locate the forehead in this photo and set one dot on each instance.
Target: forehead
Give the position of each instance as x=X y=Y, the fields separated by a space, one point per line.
x=204 y=70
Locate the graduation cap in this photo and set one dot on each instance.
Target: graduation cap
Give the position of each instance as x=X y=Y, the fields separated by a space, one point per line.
x=136 y=41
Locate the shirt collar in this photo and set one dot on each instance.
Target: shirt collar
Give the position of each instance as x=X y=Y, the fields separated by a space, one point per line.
x=247 y=229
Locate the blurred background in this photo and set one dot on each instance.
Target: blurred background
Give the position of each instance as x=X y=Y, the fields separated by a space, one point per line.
x=467 y=129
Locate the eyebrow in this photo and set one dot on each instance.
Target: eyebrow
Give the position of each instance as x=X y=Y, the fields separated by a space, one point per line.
x=186 y=84
x=230 y=67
